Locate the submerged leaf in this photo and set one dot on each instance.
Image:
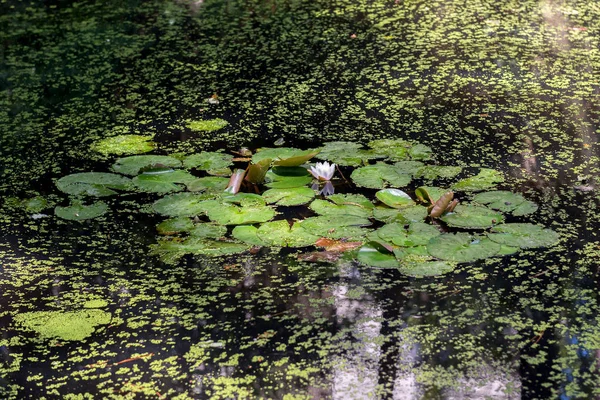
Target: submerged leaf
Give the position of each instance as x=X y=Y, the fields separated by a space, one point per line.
x=124 y=144
x=208 y=125
x=79 y=212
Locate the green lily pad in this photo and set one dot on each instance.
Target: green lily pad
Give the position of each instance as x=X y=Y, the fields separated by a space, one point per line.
x=284 y=156
x=289 y=197
x=435 y=193
x=348 y=154
x=245 y=199
x=336 y=227
x=506 y=201
x=208 y=161
x=230 y=214
x=523 y=235
x=175 y=225
x=394 y=149
x=324 y=207
x=69 y=325
x=257 y=172
x=416 y=234
x=276 y=233
x=358 y=200
x=171 y=250
x=97 y=184
x=163 y=182
x=409 y=167
x=486 y=179
x=431 y=172
x=204 y=230
x=370 y=255
x=124 y=144
x=462 y=247
x=420 y=152
x=379 y=175
x=473 y=217
x=207 y=125
x=181 y=204
x=287 y=177
x=79 y=212
x=403 y=215
x=35 y=204
x=394 y=198
x=208 y=184
x=419 y=267
x=134 y=164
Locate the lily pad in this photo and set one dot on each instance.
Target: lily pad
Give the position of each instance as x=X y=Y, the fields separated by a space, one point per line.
x=163 y=181
x=486 y=179
x=403 y=215
x=284 y=156
x=336 y=227
x=419 y=268
x=97 y=184
x=473 y=217
x=324 y=207
x=276 y=233
x=394 y=198
x=372 y=256
x=230 y=214
x=462 y=247
x=208 y=184
x=124 y=144
x=171 y=250
x=416 y=234
x=287 y=177
x=506 y=201
x=181 y=204
x=358 y=200
x=175 y=225
x=431 y=172
x=348 y=154
x=257 y=172
x=289 y=197
x=79 y=212
x=205 y=230
x=380 y=175
x=394 y=149
x=523 y=235
x=70 y=325
x=409 y=167
x=207 y=125
x=134 y=164
x=208 y=161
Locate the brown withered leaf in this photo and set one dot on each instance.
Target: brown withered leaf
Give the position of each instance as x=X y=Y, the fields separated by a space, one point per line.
x=337 y=245
x=320 y=256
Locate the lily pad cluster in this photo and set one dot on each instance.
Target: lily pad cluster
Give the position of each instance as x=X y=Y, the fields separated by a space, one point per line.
x=397 y=218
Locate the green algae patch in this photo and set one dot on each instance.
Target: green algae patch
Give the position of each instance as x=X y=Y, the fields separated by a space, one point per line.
x=208 y=125
x=124 y=144
x=71 y=325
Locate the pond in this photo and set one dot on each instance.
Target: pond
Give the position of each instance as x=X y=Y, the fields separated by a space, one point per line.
x=162 y=235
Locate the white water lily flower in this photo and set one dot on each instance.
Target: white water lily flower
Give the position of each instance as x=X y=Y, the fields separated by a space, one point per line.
x=322 y=171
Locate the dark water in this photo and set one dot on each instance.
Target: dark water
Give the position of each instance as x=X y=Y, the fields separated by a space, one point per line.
x=511 y=86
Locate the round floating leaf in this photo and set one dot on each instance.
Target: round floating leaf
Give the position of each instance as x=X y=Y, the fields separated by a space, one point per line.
x=523 y=235
x=230 y=214
x=289 y=197
x=175 y=225
x=247 y=234
x=70 y=325
x=181 y=204
x=203 y=230
x=486 y=179
x=352 y=200
x=420 y=268
x=98 y=184
x=346 y=154
x=420 y=152
x=431 y=172
x=207 y=161
x=208 y=125
x=276 y=233
x=324 y=207
x=394 y=149
x=209 y=184
x=378 y=176
x=462 y=247
x=402 y=215
x=134 y=164
x=170 y=251
x=287 y=177
x=79 y=212
x=336 y=227
x=394 y=198
x=474 y=217
x=371 y=256
x=125 y=144
x=35 y=204
x=408 y=167
x=435 y=193
x=163 y=182
x=245 y=199
x=284 y=156
x=296 y=160
x=416 y=234
x=506 y=201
